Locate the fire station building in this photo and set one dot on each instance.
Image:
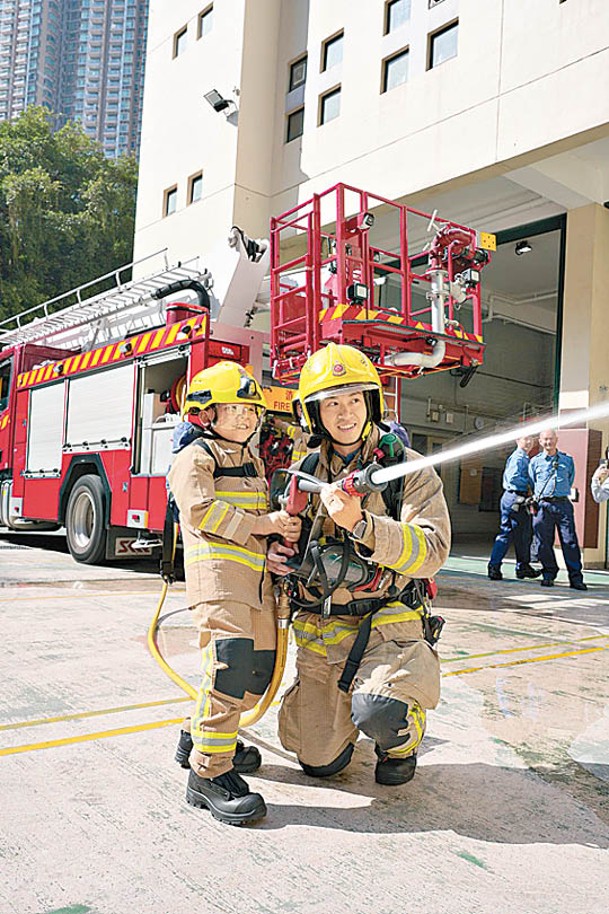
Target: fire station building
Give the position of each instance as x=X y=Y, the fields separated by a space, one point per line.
x=494 y=114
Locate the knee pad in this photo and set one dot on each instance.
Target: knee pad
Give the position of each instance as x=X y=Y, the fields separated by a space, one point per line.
x=326 y=771
x=246 y=670
x=379 y=717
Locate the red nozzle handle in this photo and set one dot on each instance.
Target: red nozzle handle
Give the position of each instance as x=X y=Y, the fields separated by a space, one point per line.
x=362 y=482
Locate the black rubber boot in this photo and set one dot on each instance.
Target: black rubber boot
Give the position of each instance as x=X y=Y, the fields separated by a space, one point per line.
x=246 y=760
x=326 y=771
x=227 y=797
x=494 y=573
x=394 y=771
x=527 y=571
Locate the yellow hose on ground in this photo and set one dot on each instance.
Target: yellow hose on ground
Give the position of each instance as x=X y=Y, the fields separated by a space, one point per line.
x=281 y=652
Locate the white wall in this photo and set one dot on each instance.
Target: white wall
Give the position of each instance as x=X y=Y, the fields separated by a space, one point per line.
x=531 y=79
x=182 y=134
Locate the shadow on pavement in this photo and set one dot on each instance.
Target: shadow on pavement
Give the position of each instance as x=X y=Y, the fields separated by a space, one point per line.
x=480 y=801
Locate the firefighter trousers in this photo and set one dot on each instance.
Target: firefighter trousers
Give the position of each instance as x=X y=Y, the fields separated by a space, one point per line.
x=398 y=679
x=238 y=655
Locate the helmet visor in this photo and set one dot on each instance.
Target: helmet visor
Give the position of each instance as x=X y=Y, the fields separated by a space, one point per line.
x=339 y=391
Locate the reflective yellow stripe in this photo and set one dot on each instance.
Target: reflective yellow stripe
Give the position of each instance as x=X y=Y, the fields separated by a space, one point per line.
x=216 y=735
x=252 y=500
x=395 y=612
x=417 y=716
x=211 y=749
x=316 y=636
x=414 y=551
x=215 y=551
x=223 y=513
x=207 y=659
x=218 y=507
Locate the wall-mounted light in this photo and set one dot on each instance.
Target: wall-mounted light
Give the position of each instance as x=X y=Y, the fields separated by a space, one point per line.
x=217 y=101
x=523 y=247
x=125 y=348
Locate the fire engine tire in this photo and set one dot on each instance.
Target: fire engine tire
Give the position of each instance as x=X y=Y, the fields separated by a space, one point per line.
x=85 y=525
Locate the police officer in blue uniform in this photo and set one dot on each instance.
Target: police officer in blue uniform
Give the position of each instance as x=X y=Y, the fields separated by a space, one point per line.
x=552 y=473
x=515 y=518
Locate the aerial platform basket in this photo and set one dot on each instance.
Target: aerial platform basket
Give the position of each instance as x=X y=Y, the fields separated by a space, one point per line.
x=401 y=285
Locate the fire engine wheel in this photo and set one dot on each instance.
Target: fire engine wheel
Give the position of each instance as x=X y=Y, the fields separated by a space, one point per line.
x=85 y=527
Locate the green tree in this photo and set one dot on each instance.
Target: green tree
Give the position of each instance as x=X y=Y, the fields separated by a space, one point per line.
x=67 y=213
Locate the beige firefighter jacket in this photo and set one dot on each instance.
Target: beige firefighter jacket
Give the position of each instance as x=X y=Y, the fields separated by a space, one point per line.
x=416 y=546
x=223 y=560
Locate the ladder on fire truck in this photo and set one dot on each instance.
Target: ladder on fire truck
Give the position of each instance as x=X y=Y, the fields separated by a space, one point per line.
x=128 y=306
x=341 y=273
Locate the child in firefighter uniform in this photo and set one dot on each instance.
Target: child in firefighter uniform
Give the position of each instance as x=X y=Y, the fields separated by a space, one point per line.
x=219 y=487
x=365 y=659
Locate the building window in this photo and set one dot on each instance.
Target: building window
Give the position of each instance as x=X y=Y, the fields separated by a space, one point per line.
x=206 y=21
x=170 y=200
x=295 y=125
x=443 y=45
x=329 y=106
x=395 y=70
x=195 y=187
x=298 y=73
x=179 y=41
x=397 y=13
x=332 y=52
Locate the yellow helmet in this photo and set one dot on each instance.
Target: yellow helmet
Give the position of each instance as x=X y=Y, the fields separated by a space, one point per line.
x=224 y=382
x=338 y=369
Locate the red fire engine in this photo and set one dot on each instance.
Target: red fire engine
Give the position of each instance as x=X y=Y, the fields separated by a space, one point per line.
x=90 y=396
x=90 y=389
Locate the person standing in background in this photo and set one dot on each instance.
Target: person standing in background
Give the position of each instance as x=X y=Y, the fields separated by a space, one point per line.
x=516 y=524
x=599 y=484
x=552 y=473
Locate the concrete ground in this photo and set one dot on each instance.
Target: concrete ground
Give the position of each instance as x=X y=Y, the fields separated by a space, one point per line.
x=508 y=812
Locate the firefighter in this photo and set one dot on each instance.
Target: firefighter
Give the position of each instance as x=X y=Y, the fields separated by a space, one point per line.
x=219 y=487
x=365 y=659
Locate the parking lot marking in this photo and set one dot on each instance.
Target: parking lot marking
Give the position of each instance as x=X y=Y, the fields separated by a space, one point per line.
x=88 y=737
x=84 y=714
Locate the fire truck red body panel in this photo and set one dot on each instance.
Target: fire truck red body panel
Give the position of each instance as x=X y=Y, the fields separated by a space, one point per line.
x=152 y=362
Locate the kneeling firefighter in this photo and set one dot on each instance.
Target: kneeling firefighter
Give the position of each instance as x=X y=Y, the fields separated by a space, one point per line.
x=221 y=492
x=365 y=635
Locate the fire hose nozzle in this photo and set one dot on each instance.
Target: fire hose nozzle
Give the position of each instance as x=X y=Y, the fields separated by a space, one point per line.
x=362 y=481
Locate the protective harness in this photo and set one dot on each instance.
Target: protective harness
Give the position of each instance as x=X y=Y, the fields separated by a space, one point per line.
x=332 y=562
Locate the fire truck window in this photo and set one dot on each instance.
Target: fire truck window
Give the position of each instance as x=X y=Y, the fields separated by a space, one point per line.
x=5 y=380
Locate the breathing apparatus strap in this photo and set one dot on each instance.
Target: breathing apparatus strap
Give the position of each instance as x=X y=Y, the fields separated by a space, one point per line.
x=356 y=654
x=247 y=469
x=409 y=596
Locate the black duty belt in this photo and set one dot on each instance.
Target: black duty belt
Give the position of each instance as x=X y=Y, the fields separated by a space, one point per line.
x=516 y=492
x=409 y=597
x=554 y=498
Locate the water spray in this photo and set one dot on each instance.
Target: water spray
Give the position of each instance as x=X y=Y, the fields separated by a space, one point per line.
x=374 y=478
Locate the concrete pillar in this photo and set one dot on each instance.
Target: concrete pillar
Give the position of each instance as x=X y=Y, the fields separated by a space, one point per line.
x=584 y=378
